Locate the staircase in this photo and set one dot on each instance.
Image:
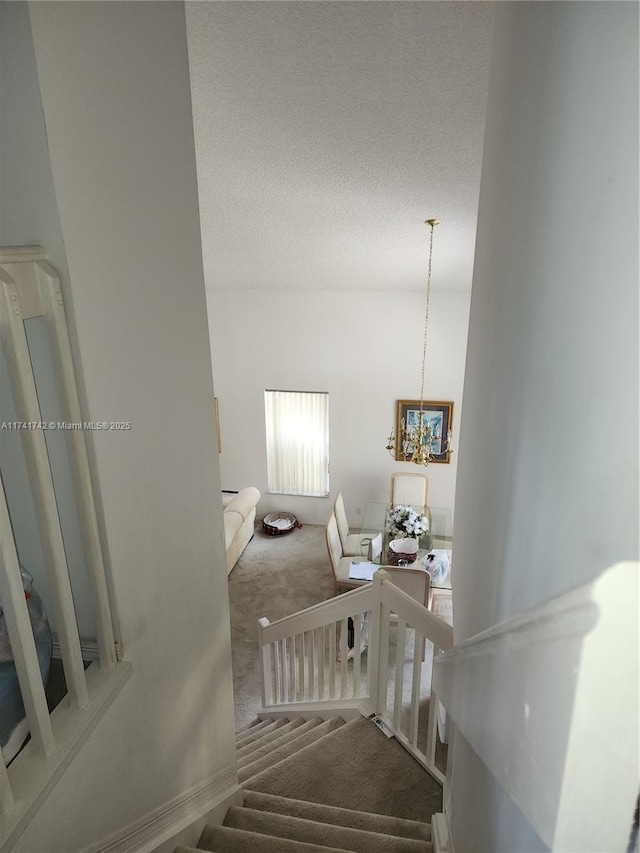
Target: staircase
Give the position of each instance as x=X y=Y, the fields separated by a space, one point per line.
x=303 y=781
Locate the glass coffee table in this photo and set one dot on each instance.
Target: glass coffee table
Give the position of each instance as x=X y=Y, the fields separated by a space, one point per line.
x=438 y=538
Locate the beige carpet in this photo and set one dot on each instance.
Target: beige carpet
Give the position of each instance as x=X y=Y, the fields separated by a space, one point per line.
x=355 y=767
x=275 y=577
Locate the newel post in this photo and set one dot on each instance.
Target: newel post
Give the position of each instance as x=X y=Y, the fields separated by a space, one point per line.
x=266 y=665
x=375 y=638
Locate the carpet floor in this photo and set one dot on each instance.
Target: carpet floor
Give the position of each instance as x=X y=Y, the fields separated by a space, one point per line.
x=356 y=767
x=274 y=577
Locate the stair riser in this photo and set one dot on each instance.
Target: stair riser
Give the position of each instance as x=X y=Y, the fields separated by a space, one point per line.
x=338 y=817
x=312 y=832
x=287 y=736
x=277 y=756
x=222 y=839
x=254 y=727
x=250 y=738
x=273 y=823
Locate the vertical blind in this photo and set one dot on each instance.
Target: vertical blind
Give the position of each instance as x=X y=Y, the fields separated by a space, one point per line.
x=297 y=442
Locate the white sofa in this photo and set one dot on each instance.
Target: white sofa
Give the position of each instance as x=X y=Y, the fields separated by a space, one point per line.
x=239 y=515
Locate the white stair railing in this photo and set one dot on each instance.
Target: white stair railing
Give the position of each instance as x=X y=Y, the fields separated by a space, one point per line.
x=415 y=626
x=305 y=665
x=299 y=653
x=29 y=287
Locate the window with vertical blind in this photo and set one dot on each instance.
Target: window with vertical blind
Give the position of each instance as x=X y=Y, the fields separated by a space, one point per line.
x=297 y=442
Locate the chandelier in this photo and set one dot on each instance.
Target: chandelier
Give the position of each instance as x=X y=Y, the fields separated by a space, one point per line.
x=419 y=442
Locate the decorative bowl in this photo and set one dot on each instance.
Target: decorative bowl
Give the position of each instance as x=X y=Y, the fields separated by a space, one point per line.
x=405 y=550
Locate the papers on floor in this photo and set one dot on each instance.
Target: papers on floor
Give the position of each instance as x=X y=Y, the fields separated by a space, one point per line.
x=362 y=570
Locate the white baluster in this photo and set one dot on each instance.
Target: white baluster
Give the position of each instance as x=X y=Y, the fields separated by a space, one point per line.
x=311 y=644
x=332 y=661
x=399 y=678
x=432 y=723
x=266 y=664
x=25 y=655
x=321 y=656
x=44 y=499
x=416 y=678
x=301 y=655
x=344 y=663
x=53 y=311
x=357 y=645
x=383 y=660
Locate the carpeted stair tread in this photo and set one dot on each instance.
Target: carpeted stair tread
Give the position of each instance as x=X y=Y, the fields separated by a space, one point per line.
x=250 y=738
x=337 y=816
x=253 y=727
x=286 y=737
x=226 y=839
x=295 y=746
x=333 y=771
x=257 y=730
x=266 y=743
x=312 y=832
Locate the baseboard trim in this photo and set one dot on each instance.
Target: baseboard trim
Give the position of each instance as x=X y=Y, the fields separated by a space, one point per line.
x=440 y=835
x=150 y=831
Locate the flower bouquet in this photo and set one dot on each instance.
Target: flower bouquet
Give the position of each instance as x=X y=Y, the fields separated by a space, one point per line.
x=404 y=522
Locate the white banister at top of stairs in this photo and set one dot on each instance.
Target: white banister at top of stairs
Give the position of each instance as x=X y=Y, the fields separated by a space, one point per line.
x=25 y=395
x=30 y=287
x=298 y=658
x=555 y=710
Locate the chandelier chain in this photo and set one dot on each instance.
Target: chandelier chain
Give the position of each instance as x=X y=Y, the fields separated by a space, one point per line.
x=421 y=437
x=426 y=313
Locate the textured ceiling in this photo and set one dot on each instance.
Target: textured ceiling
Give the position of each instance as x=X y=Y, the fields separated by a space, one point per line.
x=327 y=132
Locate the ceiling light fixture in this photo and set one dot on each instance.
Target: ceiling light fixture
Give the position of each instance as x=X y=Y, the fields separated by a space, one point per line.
x=419 y=442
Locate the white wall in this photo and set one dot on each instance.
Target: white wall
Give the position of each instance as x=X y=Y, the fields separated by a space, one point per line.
x=365 y=349
x=29 y=215
x=547 y=493
x=115 y=92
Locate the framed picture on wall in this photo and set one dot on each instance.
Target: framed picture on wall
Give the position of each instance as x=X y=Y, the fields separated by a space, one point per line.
x=435 y=413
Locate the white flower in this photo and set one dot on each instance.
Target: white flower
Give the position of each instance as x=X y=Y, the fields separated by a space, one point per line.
x=404 y=521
